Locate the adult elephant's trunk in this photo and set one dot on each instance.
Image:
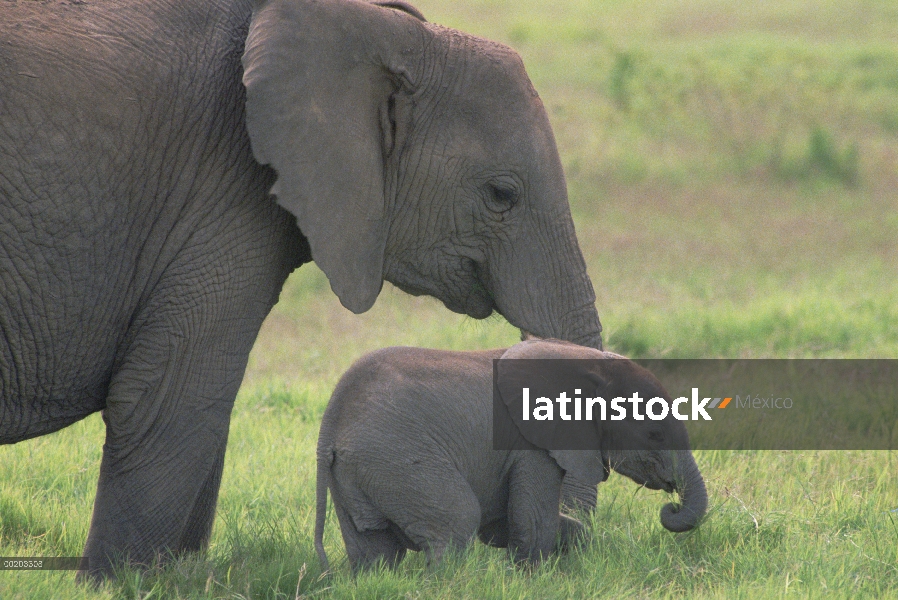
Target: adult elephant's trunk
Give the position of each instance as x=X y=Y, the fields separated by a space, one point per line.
x=693 y=496
x=540 y=284
x=581 y=325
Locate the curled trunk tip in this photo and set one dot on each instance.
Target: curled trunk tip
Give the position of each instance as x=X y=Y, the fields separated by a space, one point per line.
x=678 y=518
x=693 y=498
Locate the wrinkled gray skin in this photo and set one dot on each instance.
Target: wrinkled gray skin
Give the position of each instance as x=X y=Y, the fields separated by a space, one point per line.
x=406 y=450
x=140 y=249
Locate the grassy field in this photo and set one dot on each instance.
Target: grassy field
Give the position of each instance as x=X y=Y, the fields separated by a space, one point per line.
x=733 y=172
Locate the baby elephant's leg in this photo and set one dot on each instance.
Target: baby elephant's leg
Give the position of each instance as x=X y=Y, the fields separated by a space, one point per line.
x=433 y=505
x=365 y=549
x=495 y=533
x=571 y=533
x=533 y=498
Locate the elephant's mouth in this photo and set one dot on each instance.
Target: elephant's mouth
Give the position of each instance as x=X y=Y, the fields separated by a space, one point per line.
x=474 y=305
x=655 y=484
x=606 y=463
x=652 y=485
x=479 y=302
x=468 y=294
x=476 y=301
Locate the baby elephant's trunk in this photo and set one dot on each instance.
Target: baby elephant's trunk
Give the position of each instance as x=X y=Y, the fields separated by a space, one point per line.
x=693 y=496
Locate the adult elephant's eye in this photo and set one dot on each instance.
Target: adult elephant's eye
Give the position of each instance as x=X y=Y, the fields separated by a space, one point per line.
x=502 y=198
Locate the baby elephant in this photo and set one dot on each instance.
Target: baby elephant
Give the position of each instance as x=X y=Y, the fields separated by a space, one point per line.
x=406 y=450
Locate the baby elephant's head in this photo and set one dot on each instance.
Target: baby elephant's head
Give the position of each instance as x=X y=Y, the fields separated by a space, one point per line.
x=653 y=453
x=634 y=424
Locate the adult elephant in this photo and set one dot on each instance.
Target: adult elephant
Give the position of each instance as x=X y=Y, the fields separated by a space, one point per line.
x=140 y=249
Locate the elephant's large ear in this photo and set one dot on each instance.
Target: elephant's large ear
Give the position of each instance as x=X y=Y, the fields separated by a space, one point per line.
x=574 y=366
x=319 y=77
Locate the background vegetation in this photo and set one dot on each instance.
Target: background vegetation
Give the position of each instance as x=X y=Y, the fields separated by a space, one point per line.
x=733 y=170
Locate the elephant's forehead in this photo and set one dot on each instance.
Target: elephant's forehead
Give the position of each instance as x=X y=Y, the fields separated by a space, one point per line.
x=491 y=65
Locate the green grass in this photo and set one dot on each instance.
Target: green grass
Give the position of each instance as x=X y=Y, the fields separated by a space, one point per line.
x=732 y=171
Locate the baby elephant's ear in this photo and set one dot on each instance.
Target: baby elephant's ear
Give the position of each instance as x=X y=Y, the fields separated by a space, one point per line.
x=400 y=5
x=552 y=367
x=586 y=466
x=578 y=367
x=510 y=377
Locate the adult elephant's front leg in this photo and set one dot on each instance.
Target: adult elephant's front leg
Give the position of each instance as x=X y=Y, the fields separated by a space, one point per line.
x=168 y=411
x=166 y=432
